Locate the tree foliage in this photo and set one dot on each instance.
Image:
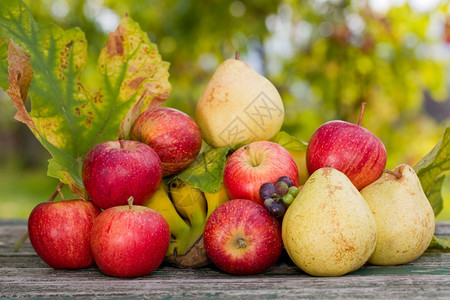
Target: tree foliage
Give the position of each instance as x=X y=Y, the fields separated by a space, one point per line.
x=325 y=57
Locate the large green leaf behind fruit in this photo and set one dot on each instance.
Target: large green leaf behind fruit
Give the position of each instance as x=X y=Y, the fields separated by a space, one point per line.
x=206 y=172
x=65 y=117
x=432 y=170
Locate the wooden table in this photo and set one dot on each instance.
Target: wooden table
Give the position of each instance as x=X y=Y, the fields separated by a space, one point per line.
x=23 y=274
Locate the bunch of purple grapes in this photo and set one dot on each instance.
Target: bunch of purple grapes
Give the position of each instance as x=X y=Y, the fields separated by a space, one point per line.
x=277 y=197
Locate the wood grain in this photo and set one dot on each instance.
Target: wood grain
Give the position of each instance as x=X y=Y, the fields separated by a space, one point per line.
x=23 y=274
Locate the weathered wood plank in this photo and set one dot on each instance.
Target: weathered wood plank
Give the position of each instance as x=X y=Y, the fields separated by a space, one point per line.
x=23 y=274
x=442 y=229
x=86 y=283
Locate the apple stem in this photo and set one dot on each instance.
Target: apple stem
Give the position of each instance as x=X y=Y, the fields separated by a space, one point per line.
x=363 y=108
x=57 y=191
x=122 y=146
x=130 y=202
x=392 y=172
x=241 y=243
x=20 y=242
x=254 y=162
x=236 y=55
x=60 y=192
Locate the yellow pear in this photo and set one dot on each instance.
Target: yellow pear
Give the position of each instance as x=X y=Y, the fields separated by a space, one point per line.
x=329 y=229
x=238 y=105
x=404 y=216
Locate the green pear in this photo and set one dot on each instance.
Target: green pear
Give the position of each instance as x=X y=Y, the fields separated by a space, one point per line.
x=238 y=105
x=329 y=229
x=404 y=216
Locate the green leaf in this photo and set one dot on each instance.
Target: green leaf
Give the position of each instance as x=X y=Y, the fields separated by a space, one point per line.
x=431 y=171
x=65 y=117
x=206 y=172
x=440 y=242
x=289 y=142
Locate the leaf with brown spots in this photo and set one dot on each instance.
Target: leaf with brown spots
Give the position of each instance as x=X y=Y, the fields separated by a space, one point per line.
x=20 y=75
x=68 y=120
x=132 y=66
x=432 y=170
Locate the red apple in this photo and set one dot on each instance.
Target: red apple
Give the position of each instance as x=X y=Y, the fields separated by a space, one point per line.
x=252 y=165
x=116 y=170
x=349 y=148
x=172 y=134
x=59 y=233
x=241 y=237
x=129 y=240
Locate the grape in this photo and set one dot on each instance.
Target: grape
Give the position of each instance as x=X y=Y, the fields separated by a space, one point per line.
x=276 y=209
x=281 y=188
x=287 y=199
x=268 y=202
x=293 y=190
x=267 y=190
x=285 y=179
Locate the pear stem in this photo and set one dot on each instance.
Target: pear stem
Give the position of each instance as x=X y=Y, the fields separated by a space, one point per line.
x=254 y=162
x=392 y=172
x=130 y=202
x=363 y=108
x=24 y=237
x=236 y=55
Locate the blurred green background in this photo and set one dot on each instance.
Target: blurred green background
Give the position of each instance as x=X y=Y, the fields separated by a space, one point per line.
x=324 y=56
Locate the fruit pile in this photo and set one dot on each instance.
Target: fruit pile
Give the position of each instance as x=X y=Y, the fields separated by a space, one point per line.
x=347 y=213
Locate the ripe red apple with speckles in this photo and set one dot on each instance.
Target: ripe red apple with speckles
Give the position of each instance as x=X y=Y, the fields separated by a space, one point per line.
x=116 y=170
x=59 y=232
x=172 y=134
x=349 y=148
x=242 y=237
x=254 y=164
x=129 y=240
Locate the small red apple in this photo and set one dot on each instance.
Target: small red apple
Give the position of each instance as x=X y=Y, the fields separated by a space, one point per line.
x=129 y=240
x=252 y=165
x=59 y=232
x=349 y=148
x=241 y=237
x=116 y=170
x=172 y=134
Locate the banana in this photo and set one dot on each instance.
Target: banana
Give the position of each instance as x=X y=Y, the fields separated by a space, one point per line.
x=188 y=201
x=186 y=209
x=161 y=202
x=216 y=199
